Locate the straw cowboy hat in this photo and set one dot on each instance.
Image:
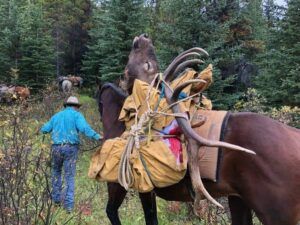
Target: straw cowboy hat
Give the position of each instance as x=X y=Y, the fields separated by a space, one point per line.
x=72 y=101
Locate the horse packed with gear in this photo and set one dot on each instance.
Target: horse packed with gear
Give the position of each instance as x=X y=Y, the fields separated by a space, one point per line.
x=11 y=93
x=67 y=82
x=261 y=182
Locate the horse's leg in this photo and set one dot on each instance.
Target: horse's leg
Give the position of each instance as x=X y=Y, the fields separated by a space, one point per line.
x=266 y=204
x=116 y=195
x=270 y=211
x=149 y=206
x=240 y=213
x=272 y=205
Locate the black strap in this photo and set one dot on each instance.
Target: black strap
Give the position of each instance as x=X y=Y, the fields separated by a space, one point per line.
x=220 y=152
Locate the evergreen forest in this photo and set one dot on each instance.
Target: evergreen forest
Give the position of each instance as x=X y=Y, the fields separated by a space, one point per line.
x=253 y=45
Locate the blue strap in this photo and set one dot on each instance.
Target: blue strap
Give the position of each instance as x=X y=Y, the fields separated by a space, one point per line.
x=162 y=92
x=181 y=96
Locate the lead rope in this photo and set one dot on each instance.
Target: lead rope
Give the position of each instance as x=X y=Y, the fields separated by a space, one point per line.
x=125 y=173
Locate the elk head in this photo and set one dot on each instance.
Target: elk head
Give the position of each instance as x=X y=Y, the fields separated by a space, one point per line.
x=142 y=62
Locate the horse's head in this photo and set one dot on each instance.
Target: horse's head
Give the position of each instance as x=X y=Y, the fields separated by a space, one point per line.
x=142 y=62
x=110 y=100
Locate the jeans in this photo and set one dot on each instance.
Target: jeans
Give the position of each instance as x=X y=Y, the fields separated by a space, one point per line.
x=64 y=156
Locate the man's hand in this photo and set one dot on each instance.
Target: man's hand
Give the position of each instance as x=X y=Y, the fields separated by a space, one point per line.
x=98 y=137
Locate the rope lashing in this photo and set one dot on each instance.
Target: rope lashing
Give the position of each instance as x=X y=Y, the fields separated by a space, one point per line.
x=125 y=173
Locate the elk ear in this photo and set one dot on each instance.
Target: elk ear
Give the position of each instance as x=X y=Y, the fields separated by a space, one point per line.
x=126 y=74
x=135 y=43
x=148 y=66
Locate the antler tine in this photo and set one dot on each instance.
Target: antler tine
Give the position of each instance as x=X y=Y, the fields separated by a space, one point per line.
x=186 y=126
x=178 y=89
x=196 y=176
x=170 y=70
x=187 y=64
x=196 y=51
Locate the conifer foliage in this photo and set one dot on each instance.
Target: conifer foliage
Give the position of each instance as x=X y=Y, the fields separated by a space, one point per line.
x=252 y=44
x=115 y=23
x=289 y=43
x=279 y=80
x=36 y=47
x=26 y=48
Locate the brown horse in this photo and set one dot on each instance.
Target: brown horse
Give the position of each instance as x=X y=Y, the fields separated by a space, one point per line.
x=10 y=93
x=267 y=183
x=112 y=127
x=22 y=92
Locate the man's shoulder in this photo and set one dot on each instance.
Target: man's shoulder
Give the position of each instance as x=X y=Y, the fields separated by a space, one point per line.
x=74 y=113
x=69 y=112
x=79 y=114
x=64 y=112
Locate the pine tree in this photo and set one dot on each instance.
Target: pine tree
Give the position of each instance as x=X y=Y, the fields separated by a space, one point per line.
x=207 y=25
x=178 y=28
x=290 y=46
x=115 y=25
x=36 y=62
x=69 y=24
x=76 y=34
x=231 y=31
x=279 y=80
x=91 y=61
x=241 y=28
x=10 y=38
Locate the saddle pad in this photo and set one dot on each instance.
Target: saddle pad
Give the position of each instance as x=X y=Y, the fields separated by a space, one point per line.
x=211 y=129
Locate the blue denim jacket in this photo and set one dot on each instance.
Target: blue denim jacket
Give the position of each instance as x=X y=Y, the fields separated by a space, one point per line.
x=65 y=126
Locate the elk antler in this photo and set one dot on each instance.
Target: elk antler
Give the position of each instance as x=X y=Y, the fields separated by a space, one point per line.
x=180 y=58
x=188 y=62
x=190 y=134
x=173 y=96
x=186 y=126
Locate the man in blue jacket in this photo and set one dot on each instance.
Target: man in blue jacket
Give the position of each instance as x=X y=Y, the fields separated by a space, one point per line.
x=65 y=127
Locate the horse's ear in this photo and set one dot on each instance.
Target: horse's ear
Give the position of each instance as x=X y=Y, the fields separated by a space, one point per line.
x=97 y=93
x=98 y=82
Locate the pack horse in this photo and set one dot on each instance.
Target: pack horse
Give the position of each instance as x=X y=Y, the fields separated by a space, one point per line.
x=67 y=82
x=10 y=93
x=267 y=183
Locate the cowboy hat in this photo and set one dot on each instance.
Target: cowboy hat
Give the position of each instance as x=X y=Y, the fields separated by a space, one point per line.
x=72 y=101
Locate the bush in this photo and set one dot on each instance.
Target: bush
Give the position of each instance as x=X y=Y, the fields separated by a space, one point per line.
x=286 y=115
x=253 y=102
x=24 y=169
x=25 y=184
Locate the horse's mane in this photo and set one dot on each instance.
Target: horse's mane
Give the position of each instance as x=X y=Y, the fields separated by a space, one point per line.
x=117 y=90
